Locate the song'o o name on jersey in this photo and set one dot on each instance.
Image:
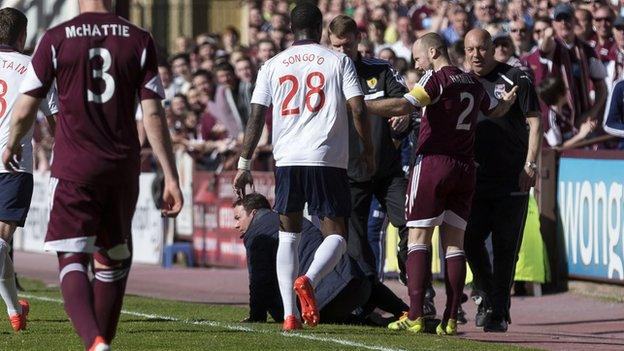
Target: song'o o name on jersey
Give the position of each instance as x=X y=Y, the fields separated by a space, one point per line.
x=305 y=58
x=94 y=30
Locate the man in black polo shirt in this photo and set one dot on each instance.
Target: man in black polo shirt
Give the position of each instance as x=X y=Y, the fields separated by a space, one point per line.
x=506 y=152
x=378 y=80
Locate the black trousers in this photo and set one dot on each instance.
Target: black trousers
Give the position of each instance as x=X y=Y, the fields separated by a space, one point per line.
x=503 y=218
x=390 y=192
x=354 y=295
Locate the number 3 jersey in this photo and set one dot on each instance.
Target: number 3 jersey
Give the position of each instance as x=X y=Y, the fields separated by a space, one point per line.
x=13 y=69
x=102 y=64
x=308 y=86
x=452 y=100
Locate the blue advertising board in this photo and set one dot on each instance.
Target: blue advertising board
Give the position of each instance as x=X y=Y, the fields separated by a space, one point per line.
x=590 y=202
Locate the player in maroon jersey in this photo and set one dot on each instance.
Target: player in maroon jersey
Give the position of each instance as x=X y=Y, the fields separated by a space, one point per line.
x=101 y=64
x=442 y=180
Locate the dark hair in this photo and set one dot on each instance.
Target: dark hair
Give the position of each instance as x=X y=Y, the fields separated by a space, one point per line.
x=202 y=72
x=253 y=201
x=343 y=25
x=379 y=25
x=542 y=19
x=550 y=90
x=224 y=66
x=305 y=16
x=12 y=24
x=165 y=65
x=181 y=55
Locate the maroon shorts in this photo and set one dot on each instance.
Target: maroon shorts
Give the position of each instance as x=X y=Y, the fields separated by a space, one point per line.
x=87 y=218
x=440 y=190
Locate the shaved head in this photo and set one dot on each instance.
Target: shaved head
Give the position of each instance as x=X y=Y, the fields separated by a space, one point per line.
x=432 y=41
x=479 y=51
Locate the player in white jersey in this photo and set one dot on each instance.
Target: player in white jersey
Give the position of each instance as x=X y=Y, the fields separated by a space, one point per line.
x=16 y=185
x=309 y=87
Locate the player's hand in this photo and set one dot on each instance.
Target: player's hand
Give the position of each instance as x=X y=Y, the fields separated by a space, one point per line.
x=510 y=96
x=172 y=199
x=400 y=123
x=11 y=158
x=527 y=178
x=242 y=179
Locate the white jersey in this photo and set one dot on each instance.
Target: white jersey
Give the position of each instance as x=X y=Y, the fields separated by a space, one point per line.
x=308 y=86
x=13 y=67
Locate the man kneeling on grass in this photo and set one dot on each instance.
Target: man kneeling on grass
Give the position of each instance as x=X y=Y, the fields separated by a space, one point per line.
x=343 y=291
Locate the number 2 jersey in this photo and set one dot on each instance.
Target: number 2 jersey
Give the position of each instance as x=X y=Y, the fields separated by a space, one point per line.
x=102 y=64
x=452 y=100
x=13 y=69
x=308 y=86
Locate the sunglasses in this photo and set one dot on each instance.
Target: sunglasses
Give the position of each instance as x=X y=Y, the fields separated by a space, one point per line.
x=538 y=31
x=488 y=7
x=518 y=30
x=619 y=28
x=602 y=19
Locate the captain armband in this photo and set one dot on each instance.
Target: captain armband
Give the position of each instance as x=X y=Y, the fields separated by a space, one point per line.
x=418 y=96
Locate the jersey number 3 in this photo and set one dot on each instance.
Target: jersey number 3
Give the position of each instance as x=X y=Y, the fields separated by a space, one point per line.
x=312 y=90
x=109 y=82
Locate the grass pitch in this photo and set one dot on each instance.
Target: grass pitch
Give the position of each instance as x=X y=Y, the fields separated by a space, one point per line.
x=153 y=324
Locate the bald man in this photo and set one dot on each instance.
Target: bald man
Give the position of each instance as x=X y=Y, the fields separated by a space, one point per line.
x=506 y=154
x=441 y=183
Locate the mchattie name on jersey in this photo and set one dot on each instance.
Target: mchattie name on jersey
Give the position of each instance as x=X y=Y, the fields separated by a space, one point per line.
x=95 y=30
x=292 y=59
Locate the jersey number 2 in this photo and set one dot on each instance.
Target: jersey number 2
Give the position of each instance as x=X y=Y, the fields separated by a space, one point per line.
x=312 y=89
x=109 y=82
x=460 y=122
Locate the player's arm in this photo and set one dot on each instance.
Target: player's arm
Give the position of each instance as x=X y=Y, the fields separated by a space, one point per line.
x=22 y=119
x=424 y=93
x=362 y=127
x=390 y=107
x=158 y=135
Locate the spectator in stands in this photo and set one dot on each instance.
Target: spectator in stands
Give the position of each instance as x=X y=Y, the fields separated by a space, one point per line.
x=614 y=116
x=486 y=14
x=403 y=46
x=230 y=39
x=164 y=71
x=183 y=44
x=504 y=50
x=181 y=67
x=266 y=50
x=342 y=291
x=256 y=19
x=603 y=41
x=577 y=62
x=280 y=21
x=460 y=25
x=616 y=67
x=521 y=38
x=560 y=131
x=583 y=27
x=376 y=30
x=388 y=55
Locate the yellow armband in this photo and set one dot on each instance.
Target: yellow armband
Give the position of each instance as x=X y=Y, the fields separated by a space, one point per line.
x=418 y=96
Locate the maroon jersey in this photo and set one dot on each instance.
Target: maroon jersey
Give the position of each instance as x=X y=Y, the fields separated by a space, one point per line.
x=102 y=64
x=450 y=119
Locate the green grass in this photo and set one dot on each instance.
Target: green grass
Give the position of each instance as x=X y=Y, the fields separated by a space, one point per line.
x=153 y=324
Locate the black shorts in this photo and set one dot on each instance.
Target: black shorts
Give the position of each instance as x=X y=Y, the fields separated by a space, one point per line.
x=15 y=195
x=325 y=189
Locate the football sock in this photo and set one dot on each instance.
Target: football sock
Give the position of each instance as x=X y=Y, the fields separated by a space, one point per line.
x=287 y=266
x=416 y=267
x=326 y=257
x=77 y=295
x=454 y=280
x=109 y=286
x=8 y=290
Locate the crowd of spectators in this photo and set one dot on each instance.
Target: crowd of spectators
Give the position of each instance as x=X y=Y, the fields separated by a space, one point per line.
x=573 y=50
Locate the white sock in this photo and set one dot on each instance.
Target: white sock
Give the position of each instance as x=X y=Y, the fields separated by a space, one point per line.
x=287 y=267
x=326 y=257
x=8 y=290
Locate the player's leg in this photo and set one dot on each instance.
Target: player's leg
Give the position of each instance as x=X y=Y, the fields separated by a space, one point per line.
x=358 y=246
x=72 y=234
x=507 y=233
x=477 y=231
x=455 y=277
x=289 y=203
x=328 y=196
x=15 y=195
x=111 y=264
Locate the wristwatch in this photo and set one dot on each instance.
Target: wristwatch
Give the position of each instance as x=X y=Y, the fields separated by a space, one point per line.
x=532 y=165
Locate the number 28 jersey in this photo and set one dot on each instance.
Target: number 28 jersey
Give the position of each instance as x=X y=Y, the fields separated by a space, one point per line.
x=102 y=64
x=308 y=86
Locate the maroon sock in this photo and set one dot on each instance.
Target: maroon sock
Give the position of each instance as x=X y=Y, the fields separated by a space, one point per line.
x=454 y=280
x=416 y=267
x=109 y=287
x=77 y=296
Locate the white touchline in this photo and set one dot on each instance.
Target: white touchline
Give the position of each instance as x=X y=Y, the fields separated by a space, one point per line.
x=232 y=327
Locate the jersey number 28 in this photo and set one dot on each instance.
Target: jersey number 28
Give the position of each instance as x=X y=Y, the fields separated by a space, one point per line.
x=312 y=90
